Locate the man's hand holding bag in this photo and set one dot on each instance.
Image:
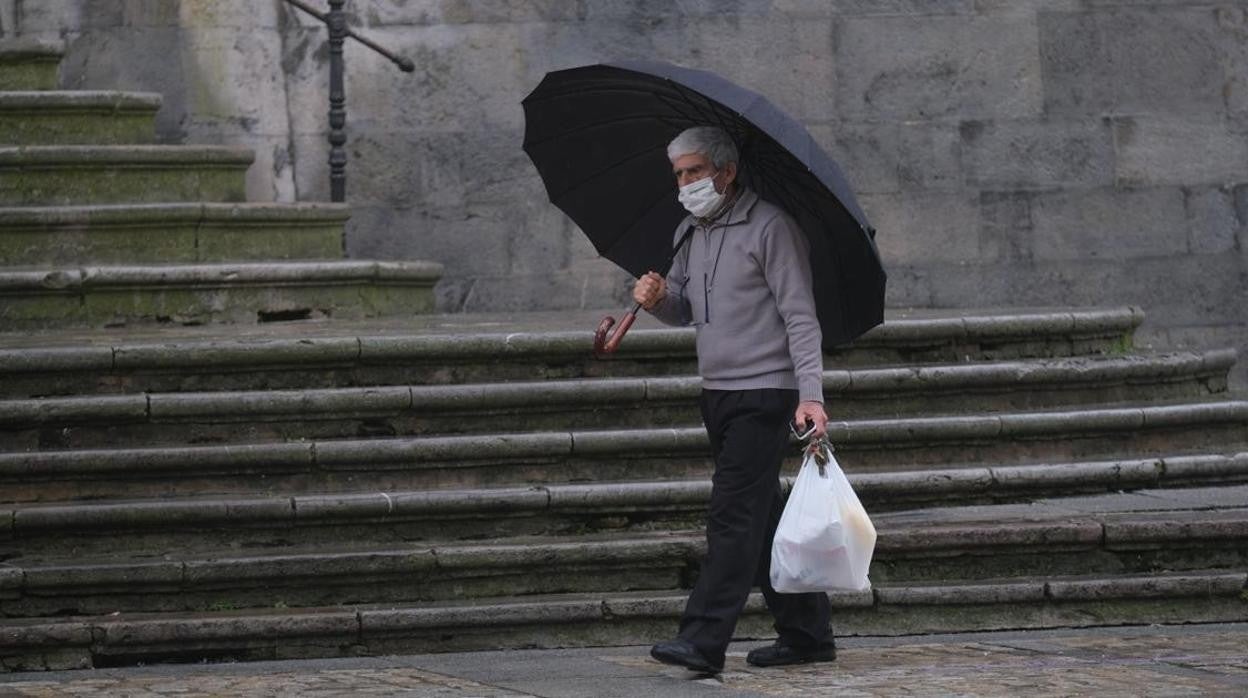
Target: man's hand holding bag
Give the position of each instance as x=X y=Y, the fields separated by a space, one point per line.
x=825 y=539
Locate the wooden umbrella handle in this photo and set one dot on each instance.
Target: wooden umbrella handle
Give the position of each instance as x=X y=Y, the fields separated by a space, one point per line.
x=604 y=344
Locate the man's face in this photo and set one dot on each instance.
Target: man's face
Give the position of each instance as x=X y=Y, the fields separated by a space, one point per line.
x=694 y=166
x=691 y=168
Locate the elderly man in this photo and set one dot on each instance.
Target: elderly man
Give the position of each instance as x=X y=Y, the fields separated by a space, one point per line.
x=744 y=281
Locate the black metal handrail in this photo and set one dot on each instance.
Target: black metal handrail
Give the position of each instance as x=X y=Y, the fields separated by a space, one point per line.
x=336 y=22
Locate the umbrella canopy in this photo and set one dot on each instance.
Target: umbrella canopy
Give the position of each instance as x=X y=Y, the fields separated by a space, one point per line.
x=598 y=135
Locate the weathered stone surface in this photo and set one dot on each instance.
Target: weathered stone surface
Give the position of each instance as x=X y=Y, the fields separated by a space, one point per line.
x=1020 y=592
x=29 y=63
x=73 y=409
x=241 y=292
x=927 y=227
x=937 y=67
x=1146 y=587
x=148 y=575
x=67 y=175
x=1037 y=154
x=1178 y=150
x=1106 y=61
x=1213 y=224
x=1109 y=224
x=65 y=118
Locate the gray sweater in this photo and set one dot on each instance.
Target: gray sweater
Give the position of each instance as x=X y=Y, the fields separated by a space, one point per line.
x=745 y=283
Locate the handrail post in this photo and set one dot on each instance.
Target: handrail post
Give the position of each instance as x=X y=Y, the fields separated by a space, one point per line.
x=337 y=23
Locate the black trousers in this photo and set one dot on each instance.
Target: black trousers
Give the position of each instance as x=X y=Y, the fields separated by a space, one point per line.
x=748 y=430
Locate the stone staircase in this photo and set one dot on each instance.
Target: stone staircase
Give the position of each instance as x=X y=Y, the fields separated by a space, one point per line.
x=178 y=490
x=322 y=489
x=100 y=227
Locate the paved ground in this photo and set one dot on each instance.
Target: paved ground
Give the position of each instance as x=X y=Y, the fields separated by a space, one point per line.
x=1196 y=660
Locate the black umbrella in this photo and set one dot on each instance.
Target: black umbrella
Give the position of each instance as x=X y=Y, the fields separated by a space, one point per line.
x=598 y=135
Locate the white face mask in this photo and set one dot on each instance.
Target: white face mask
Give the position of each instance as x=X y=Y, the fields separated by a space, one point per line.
x=700 y=197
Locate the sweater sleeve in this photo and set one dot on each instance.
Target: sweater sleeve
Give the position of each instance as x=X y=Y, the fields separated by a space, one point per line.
x=786 y=268
x=674 y=308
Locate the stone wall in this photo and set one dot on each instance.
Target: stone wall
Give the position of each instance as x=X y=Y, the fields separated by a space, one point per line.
x=1010 y=152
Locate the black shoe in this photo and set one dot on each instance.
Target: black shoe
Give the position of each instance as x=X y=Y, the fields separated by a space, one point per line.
x=682 y=653
x=781 y=654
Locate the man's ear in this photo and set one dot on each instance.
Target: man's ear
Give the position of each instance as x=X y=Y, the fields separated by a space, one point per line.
x=730 y=173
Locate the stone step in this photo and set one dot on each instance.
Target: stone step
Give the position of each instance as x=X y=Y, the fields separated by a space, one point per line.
x=100 y=421
x=29 y=64
x=446 y=349
x=244 y=292
x=867 y=445
x=78 y=117
x=170 y=233
x=605 y=619
x=304 y=517
x=943 y=546
x=69 y=175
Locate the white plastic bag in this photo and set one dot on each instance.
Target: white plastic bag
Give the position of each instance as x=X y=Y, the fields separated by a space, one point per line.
x=825 y=540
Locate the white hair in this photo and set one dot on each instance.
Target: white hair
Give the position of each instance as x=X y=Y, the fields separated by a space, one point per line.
x=710 y=141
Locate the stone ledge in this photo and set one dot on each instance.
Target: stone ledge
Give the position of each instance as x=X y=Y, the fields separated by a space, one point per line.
x=87 y=279
x=22 y=47
x=624 y=392
x=160 y=214
x=80 y=157
x=867 y=440
x=49 y=102
x=1043 y=527
x=493 y=346
x=589 y=619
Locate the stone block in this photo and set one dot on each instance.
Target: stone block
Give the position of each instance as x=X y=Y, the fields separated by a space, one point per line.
x=869 y=154
x=924 y=227
x=1053 y=424
x=465 y=240
x=309 y=404
x=880 y=158
x=789 y=62
x=1021 y=592
x=630 y=496
x=1027 y=7
x=235 y=629
x=1232 y=42
x=1213 y=226
x=62 y=411
x=1178 y=150
x=82 y=358
x=1037 y=154
x=467 y=501
x=591 y=443
x=73 y=175
x=1112 y=224
x=377 y=13
x=42 y=579
x=937 y=67
x=1108 y=61
x=226 y=14
x=340 y=454
x=120 y=59
x=225 y=354
x=413 y=619
x=1142 y=587
x=1197 y=468
x=1199 y=413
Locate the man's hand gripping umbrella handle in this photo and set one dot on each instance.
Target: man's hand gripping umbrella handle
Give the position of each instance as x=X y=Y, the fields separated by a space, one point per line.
x=604 y=345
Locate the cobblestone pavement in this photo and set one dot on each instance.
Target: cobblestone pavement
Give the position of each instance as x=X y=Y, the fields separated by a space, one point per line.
x=1203 y=660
